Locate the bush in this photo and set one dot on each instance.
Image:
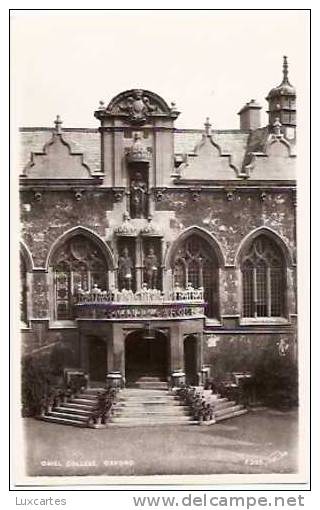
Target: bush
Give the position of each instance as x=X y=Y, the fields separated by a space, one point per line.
x=37 y=380
x=276 y=382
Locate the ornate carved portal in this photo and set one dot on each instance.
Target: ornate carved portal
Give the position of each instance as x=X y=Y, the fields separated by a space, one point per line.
x=196 y=263
x=79 y=265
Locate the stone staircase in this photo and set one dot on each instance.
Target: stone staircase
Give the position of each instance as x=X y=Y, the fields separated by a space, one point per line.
x=148 y=406
x=148 y=402
x=76 y=411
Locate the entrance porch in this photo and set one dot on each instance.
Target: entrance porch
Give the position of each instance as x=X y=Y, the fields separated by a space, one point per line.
x=154 y=349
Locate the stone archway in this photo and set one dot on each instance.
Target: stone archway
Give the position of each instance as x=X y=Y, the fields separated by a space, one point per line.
x=145 y=356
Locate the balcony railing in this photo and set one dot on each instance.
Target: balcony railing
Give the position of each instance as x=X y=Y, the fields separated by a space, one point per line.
x=144 y=304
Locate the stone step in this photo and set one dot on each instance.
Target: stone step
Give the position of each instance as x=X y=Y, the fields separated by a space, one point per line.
x=139 y=391
x=150 y=386
x=67 y=416
x=149 y=405
x=233 y=414
x=223 y=405
x=82 y=400
x=77 y=406
x=62 y=421
x=144 y=412
x=152 y=423
x=71 y=410
x=229 y=409
x=94 y=390
x=151 y=419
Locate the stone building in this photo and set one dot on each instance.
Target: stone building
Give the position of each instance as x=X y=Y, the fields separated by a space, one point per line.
x=148 y=249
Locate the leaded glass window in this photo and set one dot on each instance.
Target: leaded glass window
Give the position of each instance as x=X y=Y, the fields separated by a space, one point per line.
x=79 y=263
x=196 y=263
x=263 y=279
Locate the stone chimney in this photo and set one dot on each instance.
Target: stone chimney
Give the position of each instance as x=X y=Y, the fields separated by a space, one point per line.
x=250 y=115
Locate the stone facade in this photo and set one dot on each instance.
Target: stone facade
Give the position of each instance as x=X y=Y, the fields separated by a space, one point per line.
x=119 y=222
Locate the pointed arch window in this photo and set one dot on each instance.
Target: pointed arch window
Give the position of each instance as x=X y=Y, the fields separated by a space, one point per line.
x=196 y=263
x=79 y=263
x=263 y=279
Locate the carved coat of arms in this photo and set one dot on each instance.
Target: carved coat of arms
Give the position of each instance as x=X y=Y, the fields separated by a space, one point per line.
x=138 y=107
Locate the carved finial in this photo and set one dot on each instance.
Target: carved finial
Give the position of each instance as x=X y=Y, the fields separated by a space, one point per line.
x=57 y=124
x=207 y=126
x=276 y=127
x=285 y=70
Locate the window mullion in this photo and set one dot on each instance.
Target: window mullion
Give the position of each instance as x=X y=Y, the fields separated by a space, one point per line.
x=254 y=274
x=268 y=291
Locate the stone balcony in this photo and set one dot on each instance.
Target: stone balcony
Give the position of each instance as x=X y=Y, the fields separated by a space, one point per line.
x=146 y=304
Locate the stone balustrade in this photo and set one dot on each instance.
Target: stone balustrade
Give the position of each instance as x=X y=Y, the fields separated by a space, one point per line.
x=145 y=304
x=144 y=296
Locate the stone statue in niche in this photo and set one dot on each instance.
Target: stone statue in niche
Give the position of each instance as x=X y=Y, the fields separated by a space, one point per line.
x=138 y=197
x=125 y=270
x=151 y=267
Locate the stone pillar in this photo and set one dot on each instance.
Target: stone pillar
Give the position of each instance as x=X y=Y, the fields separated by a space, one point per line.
x=229 y=293
x=176 y=348
x=118 y=349
x=84 y=351
x=139 y=263
x=118 y=155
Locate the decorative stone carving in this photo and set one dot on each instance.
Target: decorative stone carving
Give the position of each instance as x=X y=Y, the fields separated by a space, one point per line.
x=138 y=152
x=263 y=196
x=230 y=194
x=118 y=194
x=38 y=196
x=276 y=127
x=78 y=194
x=126 y=229
x=195 y=194
x=159 y=194
x=137 y=106
x=151 y=229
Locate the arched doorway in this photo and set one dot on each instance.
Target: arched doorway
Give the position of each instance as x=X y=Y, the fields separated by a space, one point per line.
x=146 y=356
x=190 y=359
x=98 y=364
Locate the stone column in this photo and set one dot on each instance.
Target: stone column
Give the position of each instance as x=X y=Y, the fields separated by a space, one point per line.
x=139 y=263
x=118 y=349
x=84 y=351
x=176 y=347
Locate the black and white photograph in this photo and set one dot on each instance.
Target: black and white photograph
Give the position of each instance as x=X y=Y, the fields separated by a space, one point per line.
x=159 y=192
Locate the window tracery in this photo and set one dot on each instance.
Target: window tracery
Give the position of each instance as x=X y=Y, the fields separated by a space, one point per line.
x=79 y=263
x=196 y=263
x=263 y=279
